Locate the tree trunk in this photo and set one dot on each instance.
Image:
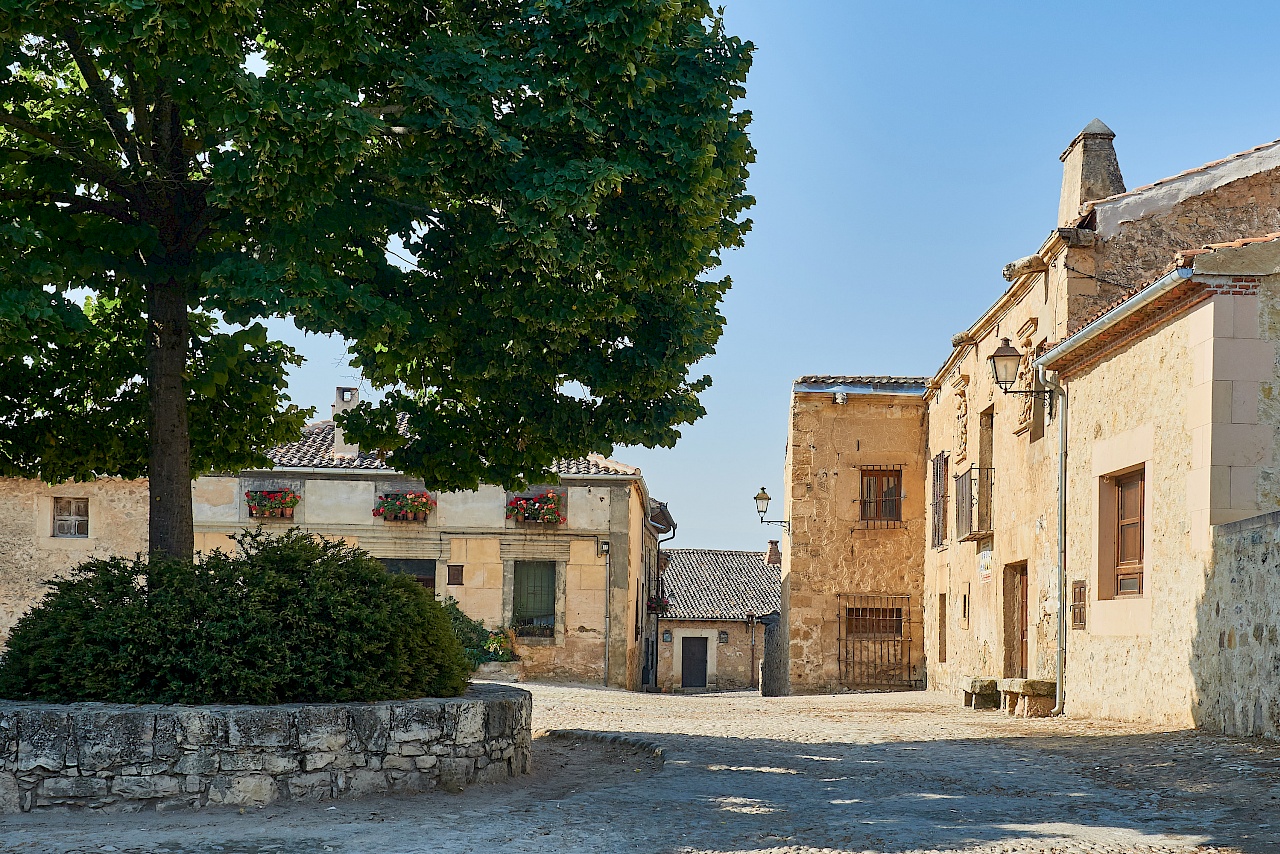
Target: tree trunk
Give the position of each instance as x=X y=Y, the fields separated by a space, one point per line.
x=169 y=467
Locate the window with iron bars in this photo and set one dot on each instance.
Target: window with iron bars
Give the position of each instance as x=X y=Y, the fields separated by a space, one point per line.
x=881 y=502
x=873 y=622
x=938 y=505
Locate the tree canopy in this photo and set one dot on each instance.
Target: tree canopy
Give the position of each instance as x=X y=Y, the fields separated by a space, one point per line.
x=554 y=180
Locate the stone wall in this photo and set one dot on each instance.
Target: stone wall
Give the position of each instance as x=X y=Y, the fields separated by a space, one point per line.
x=831 y=552
x=729 y=664
x=29 y=553
x=1236 y=653
x=128 y=758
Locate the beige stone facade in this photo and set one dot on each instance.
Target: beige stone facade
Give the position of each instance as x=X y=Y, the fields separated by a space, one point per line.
x=852 y=573
x=602 y=562
x=733 y=650
x=1157 y=312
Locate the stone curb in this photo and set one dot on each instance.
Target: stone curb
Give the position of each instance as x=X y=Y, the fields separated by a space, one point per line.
x=654 y=749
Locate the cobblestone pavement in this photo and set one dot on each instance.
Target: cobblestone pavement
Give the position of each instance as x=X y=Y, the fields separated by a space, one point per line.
x=850 y=773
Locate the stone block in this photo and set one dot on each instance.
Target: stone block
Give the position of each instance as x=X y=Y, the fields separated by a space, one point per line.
x=142 y=788
x=371 y=725
x=316 y=786
x=401 y=763
x=10 y=794
x=280 y=763
x=466 y=720
x=42 y=739
x=243 y=791
x=237 y=761
x=201 y=761
x=72 y=788
x=201 y=727
x=164 y=739
x=363 y=782
x=322 y=728
x=425 y=763
x=259 y=726
x=455 y=774
x=416 y=722
x=493 y=773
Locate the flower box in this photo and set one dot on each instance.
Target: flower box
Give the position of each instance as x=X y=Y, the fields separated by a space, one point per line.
x=404 y=506
x=272 y=504
x=658 y=604
x=547 y=508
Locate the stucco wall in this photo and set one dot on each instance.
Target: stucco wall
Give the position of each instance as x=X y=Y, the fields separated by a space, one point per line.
x=126 y=758
x=729 y=665
x=829 y=551
x=1236 y=648
x=29 y=553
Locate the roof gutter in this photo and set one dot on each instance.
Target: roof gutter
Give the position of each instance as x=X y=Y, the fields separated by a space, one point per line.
x=1116 y=315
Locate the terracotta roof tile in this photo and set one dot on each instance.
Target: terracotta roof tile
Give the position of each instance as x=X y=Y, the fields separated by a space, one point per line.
x=874 y=382
x=315 y=451
x=709 y=584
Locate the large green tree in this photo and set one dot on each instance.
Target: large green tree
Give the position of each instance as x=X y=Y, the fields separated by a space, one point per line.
x=556 y=178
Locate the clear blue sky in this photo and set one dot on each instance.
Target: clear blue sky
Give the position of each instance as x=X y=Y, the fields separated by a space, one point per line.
x=906 y=152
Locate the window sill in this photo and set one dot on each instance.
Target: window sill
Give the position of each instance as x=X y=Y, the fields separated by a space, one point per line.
x=536 y=641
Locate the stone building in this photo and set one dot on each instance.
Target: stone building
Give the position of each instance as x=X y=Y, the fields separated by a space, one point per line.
x=710 y=634
x=573 y=591
x=1152 y=315
x=851 y=579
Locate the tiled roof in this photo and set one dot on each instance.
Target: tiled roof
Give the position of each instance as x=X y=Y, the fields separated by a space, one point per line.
x=839 y=379
x=708 y=584
x=1087 y=206
x=315 y=451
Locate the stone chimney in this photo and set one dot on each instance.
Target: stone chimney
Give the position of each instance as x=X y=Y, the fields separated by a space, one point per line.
x=774 y=557
x=345 y=398
x=1090 y=171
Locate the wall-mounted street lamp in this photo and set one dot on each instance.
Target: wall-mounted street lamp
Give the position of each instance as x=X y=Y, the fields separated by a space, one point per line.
x=762 y=507
x=1005 y=362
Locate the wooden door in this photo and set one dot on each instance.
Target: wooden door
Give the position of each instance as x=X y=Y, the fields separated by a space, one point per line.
x=1021 y=615
x=693 y=662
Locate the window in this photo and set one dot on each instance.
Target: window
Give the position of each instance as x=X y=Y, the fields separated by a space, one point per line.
x=533 y=611
x=938 y=506
x=964 y=607
x=1077 y=604
x=1129 y=499
x=455 y=574
x=873 y=622
x=71 y=517
x=421 y=570
x=942 y=627
x=882 y=494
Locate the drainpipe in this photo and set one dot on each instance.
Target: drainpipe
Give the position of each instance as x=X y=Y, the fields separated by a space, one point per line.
x=1061 y=391
x=608 y=586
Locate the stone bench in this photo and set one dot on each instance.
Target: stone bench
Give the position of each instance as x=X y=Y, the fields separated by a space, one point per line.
x=980 y=692
x=1028 y=698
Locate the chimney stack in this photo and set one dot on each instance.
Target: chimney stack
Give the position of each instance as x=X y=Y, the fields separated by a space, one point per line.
x=1090 y=171
x=345 y=398
x=774 y=557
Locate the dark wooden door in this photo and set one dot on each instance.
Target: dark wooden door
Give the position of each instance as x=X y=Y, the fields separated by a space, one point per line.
x=1021 y=612
x=693 y=662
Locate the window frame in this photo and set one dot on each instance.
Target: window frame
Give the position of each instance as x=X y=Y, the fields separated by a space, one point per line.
x=879 y=503
x=1128 y=568
x=456 y=576
x=532 y=629
x=72 y=516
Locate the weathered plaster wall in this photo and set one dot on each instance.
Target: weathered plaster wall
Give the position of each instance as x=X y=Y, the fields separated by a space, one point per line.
x=830 y=551
x=729 y=665
x=29 y=553
x=1131 y=660
x=1236 y=651
x=125 y=758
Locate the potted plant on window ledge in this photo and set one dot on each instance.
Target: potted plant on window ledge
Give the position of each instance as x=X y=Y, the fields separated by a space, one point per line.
x=547 y=508
x=404 y=507
x=272 y=504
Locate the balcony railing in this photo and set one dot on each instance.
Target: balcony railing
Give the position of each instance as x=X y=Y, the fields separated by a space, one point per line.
x=973 y=503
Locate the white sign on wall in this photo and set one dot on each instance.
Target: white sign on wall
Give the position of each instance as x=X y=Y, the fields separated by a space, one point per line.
x=984 y=565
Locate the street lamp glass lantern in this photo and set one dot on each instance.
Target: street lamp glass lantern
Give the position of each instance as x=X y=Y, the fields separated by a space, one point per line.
x=1004 y=365
x=762 y=502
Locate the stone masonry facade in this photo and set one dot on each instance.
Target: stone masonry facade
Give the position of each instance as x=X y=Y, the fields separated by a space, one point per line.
x=128 y=758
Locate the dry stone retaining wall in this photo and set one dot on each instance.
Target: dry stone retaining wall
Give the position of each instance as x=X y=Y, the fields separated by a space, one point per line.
x=130 y=758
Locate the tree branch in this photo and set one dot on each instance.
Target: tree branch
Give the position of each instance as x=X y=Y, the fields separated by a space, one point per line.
x=102 y=96
x=97 y=171
x=73 y=202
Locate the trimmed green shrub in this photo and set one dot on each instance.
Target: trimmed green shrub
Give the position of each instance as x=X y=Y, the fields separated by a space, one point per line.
x=288 y=618
x=480 y=644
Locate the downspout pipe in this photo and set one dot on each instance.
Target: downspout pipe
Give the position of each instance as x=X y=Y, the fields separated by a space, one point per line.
x=1057 y=388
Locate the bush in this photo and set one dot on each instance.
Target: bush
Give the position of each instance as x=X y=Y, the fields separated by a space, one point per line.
x=288 y=618
x=480 y=644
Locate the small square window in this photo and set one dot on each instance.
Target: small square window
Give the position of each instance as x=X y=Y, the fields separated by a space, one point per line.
x=71 y=517
x=724 y=637
x=455 y=575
